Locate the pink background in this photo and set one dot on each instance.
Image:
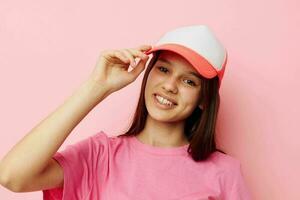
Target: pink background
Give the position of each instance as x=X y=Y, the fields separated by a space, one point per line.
x=47 y=49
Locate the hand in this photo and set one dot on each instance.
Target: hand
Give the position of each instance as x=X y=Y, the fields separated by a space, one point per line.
x=112 y=67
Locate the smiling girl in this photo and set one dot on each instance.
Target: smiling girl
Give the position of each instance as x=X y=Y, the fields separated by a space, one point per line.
x=168 y=152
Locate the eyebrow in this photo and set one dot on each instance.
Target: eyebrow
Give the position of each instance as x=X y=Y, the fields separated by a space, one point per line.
x=190 y=72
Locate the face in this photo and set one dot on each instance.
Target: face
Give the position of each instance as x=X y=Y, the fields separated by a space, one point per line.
x=173 y=78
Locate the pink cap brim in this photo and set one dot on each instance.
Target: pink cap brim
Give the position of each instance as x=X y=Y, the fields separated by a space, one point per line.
x=197 y=61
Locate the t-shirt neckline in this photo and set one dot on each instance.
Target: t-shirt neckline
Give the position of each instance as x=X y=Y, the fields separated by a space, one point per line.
x=180 y=150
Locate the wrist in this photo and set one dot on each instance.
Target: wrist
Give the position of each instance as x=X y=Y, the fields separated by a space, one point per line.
x=95 y=90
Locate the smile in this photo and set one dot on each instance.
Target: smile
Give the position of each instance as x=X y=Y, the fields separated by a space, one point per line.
x=163 y=103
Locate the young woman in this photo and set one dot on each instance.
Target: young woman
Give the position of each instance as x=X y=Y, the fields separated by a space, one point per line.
x=169 y=151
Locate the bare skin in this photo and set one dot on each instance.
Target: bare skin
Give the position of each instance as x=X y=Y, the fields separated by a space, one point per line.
x=165 y=127
x=40 y=144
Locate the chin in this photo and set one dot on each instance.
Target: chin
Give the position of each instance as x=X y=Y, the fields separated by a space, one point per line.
x=162 y=116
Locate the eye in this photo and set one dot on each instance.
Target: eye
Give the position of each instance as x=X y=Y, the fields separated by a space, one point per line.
x=192 y=83
x=159 y=68
x=164 y=70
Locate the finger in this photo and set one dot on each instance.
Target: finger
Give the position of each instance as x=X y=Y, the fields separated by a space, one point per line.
x=138 y=69
x=129 y=56
x=122 y=56
x=144 y=47
x=138 y=53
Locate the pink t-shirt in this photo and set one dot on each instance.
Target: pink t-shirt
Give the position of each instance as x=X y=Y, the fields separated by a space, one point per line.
x=103 y=167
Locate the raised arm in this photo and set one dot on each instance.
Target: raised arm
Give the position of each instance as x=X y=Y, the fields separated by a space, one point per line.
x=30 y=160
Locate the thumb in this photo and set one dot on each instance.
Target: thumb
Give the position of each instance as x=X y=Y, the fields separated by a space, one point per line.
x=135 y=72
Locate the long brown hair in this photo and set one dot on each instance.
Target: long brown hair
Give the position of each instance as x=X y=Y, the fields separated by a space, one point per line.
x=199 y=126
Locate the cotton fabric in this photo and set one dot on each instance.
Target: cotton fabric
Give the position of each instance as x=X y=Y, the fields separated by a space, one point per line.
x=103 y=167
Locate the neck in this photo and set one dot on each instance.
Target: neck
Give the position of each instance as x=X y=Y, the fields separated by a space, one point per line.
x=163 y=134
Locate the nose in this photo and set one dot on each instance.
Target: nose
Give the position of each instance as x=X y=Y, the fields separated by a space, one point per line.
x=170 y=85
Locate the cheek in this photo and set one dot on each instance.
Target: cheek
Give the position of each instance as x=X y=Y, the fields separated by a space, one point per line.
x=153 y=80
x=189 y=97
x=154 y=75
x=149 y=88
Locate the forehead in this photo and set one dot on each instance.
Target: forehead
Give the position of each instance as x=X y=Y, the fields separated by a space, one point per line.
x=175 y=59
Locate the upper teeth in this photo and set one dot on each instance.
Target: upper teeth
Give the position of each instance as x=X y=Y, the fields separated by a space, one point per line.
x=163 y=100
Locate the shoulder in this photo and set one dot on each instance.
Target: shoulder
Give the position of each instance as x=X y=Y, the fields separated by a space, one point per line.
x=99 y=141
x=224 y=161
x=229 y=170
x=104 y=139
x=101 y=137
x=231 y=177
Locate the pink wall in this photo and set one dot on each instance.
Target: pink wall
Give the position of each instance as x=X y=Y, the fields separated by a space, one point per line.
x=48 y=48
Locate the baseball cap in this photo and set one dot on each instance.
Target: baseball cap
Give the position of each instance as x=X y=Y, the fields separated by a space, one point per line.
x=199 y=46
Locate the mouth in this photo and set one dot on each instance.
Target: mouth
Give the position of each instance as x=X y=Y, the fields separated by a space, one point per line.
x=171 y=103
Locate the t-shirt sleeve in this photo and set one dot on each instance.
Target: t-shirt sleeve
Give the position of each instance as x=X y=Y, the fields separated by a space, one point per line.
x=79 y=164
x=234 y=186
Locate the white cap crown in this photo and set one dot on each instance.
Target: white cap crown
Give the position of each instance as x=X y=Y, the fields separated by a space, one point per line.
x=200 y=39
